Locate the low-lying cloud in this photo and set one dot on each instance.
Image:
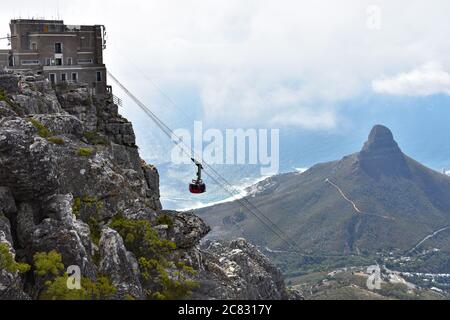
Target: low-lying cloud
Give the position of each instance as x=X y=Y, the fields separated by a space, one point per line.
x=427 y=80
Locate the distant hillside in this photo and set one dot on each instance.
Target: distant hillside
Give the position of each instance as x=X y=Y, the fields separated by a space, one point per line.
x=376 y=200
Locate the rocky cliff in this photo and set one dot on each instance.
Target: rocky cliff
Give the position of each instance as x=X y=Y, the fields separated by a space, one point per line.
x=75 y=192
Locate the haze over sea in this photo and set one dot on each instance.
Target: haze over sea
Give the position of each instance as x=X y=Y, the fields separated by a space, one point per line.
x=420 y=126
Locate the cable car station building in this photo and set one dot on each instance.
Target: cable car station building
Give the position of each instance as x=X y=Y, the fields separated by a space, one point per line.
x=62 y=53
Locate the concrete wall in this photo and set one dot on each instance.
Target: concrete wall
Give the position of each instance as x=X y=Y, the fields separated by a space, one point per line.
x=4 y=58
x=85 y=75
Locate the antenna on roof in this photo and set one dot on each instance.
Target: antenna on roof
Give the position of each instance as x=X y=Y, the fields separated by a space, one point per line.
x=57 y=9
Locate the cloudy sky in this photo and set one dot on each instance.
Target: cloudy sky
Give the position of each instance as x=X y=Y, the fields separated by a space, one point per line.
x=273 y=63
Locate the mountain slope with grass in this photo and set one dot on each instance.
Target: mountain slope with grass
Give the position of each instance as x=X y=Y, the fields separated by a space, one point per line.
x=376 y=200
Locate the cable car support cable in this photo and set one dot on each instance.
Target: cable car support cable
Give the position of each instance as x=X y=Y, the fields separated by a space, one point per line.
x=215 y=176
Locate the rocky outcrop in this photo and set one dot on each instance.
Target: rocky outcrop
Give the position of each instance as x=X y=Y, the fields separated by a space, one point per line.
x=69 y=165
x=381 y=155
x=120 y=265
x=187 y=229
x=238 y=270
x=11 y=284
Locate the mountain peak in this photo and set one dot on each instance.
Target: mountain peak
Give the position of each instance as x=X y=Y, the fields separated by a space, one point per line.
x=381 y=155
x=381 y=139
x=380 y=132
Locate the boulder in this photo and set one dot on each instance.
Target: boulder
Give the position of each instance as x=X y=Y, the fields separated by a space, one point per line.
x=238 y=271
x=187 y=230
x=55 y=235
x=120 y=265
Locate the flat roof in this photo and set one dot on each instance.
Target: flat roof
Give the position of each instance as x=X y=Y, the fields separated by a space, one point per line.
x=37 y=21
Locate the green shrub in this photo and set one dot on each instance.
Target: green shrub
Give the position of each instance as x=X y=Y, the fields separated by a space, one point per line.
x=165 y=219
x=57 y=289
x=93 y=220
x=56 y=140
x=173 y=286
x=43 y=132
x=8 y=263
x=96 y=230
x=153 y=254
x=76 y=206
x=95 y=138
x=141 y=238
x=90 y=202
x=49 y=272
x=85 y=152
x=48 y=264
x=4 y=97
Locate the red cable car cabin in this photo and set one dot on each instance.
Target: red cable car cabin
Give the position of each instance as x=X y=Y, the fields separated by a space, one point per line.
x=197 y=186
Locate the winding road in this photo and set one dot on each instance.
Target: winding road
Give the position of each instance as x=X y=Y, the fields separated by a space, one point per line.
x=428 y=238
x=355 y=207
x=344 y=196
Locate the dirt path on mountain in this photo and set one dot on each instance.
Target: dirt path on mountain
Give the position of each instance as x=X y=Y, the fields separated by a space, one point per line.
x=428 y=238
x=355 y=207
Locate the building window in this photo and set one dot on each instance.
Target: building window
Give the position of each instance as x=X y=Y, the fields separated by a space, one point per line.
x=52 y=77
x=75 y=77
x=63 y=77
x=58 y=62
x=33 y=46
x=99 y=76
x=48 y=61
x=30 y=62
x=58 y=47
x=84 y=61
x=69 y=61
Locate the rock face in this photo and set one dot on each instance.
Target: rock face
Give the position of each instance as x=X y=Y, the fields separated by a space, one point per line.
x=243 y=271
x=381 y=155
x=69 y=165
x=120 y=264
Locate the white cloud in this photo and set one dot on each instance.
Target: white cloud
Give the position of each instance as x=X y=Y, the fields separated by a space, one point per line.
x=426 y=80
x=263 y=62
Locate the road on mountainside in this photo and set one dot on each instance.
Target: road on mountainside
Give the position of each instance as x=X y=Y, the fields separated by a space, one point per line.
x=355 y=207
x=428 y=238
x=344 y=196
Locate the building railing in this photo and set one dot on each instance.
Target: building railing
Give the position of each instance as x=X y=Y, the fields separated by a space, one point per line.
x=117 y=100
